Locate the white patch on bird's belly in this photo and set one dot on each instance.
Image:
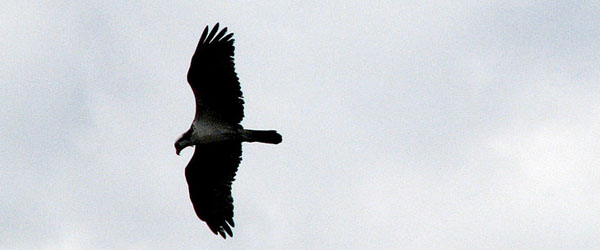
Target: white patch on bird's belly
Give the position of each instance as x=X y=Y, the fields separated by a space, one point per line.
x=212 y=132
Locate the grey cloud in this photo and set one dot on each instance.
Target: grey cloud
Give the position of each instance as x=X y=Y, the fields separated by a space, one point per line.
x=422 y=126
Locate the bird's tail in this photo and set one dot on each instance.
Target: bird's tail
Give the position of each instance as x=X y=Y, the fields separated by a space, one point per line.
x=264 y=136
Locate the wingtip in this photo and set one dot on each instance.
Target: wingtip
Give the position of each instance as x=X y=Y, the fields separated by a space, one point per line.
x=230 y=221
x=221 y=34
x=213 y=32
x=223 y=230
x=228 y=230
x=204 y=34
x=227 y=37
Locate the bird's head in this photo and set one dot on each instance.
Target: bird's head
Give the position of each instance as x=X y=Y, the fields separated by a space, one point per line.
x=178 y=147
x=183 y=142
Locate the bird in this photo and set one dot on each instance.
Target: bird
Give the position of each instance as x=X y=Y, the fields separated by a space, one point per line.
x=216 y=133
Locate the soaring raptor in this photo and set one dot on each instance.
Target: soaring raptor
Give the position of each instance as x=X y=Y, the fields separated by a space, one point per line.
x=216 y=132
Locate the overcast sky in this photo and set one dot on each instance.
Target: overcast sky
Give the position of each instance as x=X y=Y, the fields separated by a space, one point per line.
x=437 y=125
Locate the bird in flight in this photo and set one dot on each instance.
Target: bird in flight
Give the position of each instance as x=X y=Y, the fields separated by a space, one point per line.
x=216 y=132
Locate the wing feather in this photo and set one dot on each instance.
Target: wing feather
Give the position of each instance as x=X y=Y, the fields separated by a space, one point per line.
x=227 y=37
x=204 y=33
x=213 y=79
x=212 y=33
x=221 y=34
x=209 y=175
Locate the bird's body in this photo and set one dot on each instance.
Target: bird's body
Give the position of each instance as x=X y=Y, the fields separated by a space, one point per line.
x=211 y=132
x=216 y=132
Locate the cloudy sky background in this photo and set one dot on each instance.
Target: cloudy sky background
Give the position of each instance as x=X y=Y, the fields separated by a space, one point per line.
x=437 y=125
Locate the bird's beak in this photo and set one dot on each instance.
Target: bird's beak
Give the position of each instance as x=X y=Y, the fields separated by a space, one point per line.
x=177 y=151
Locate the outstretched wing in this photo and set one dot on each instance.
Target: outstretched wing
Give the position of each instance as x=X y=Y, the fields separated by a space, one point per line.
x=213 y=79
x=209 y=175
